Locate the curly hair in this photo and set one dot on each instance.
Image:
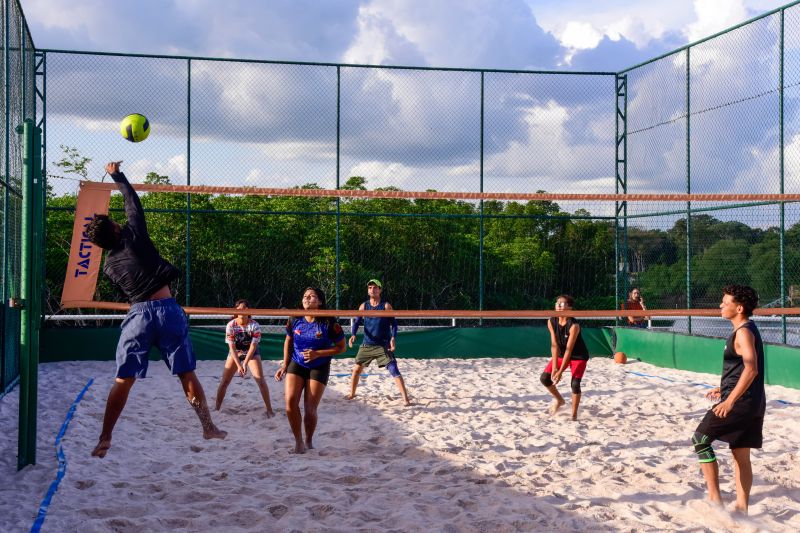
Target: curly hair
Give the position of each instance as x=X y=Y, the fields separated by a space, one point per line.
x=570 y=300
x=743 y=295
x=101 y=232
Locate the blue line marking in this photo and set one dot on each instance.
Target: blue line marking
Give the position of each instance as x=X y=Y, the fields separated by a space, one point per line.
x=62 y=462
x=693 y=383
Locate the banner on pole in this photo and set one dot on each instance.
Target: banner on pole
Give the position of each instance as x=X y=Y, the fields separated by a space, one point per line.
x=83 y=266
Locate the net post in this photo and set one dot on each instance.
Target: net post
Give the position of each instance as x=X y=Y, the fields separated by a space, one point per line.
x=30 y=291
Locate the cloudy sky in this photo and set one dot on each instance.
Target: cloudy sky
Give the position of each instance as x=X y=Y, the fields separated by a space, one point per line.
x=268 y=125
x=508 y=34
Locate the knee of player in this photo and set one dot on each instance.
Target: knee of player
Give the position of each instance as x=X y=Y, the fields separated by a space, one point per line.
x=575 y=384
x=702 y=447
x=393 y=370
x=546 y=379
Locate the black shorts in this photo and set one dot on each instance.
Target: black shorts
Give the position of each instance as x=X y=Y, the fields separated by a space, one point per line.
x=742 y=428
x=320 y=374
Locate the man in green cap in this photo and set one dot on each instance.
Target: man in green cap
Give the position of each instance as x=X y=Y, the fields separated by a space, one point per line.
x=379 y=340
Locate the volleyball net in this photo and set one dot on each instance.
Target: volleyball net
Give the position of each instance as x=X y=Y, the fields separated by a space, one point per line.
x=475 y=257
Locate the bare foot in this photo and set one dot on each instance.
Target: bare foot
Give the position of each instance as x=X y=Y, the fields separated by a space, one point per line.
x=214 y=433
x=557 y=404
x=102 y=448
x=270 y=413
x=574 y=418
x=309 y=445
x=351 y=396
x=219 y=404
x=299 y=448
x=407 y=403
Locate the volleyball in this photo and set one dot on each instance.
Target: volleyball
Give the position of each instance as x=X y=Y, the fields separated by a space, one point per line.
x=135 y=127
x=620 y=358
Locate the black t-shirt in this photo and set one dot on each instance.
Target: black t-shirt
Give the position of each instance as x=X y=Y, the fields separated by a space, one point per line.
x=134 y=264
x=579 y=351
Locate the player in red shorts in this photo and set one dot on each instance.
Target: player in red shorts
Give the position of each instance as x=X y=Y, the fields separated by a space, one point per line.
x=568 y=350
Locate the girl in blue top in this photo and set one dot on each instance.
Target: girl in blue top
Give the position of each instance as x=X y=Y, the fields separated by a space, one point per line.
x=311 y=342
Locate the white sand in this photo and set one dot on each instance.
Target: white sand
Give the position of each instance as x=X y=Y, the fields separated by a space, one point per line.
x=477 y=453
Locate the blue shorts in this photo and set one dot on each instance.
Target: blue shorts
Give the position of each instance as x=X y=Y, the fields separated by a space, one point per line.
x=159 y=323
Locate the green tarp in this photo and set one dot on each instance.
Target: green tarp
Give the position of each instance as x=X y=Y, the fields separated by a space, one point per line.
x=704 y=354
x=99 y=344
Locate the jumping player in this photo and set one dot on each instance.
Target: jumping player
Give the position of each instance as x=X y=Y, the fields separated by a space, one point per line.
x=154 y=319
x=568 y=350
x=311 y=342
x=738 y=418
x=379 y=340
x=243 y=334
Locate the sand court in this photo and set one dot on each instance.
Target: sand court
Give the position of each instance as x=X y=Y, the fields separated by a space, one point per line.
x=477 y=452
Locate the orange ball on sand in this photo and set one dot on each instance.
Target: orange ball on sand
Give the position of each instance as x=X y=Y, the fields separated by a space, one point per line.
x=620 y=358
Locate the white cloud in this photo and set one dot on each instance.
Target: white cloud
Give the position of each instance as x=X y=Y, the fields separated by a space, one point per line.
x=580 y=35
x=174 y=167
x=382 y=174
x=254 y=176
x=452 y=33
x=378 y=42
x=714 y=16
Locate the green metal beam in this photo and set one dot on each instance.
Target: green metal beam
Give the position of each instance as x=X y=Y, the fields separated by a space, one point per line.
x=30 y=296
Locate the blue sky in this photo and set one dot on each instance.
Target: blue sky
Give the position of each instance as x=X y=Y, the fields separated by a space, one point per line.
x=273 y=126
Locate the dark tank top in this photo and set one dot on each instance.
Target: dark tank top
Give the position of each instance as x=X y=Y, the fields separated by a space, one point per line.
x=733 y=365
x=579 y=351
x=377 y=329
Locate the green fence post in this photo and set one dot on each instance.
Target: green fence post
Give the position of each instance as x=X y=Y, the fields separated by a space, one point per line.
x=6 y=171
x=188 y=275
x=338 y=180
x=621 y=182
x=688 y=191
x=481 y=267
x=30 y=291
x=781 y=241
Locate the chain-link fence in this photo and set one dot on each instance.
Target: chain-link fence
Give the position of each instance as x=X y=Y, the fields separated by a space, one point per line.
x=716 y=116
x=17 y=95
x=240 y=123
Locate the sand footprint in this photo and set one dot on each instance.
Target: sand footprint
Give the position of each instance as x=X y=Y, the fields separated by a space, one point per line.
x=84 y=484
x=349 y=480
x=319 y=512
x=277 y=511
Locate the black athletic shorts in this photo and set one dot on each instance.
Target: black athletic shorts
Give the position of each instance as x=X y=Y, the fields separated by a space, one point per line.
x=320 y=374
x=742 y=428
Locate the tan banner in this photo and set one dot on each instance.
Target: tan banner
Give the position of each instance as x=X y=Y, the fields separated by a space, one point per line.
x=85 y=258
